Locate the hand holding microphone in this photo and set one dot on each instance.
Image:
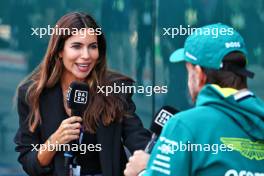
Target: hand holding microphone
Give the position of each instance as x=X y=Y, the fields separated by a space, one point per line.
x=68 y=131
x=138 y=162
x=70 y=128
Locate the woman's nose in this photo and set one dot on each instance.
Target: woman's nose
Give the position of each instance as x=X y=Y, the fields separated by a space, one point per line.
x=85 y=53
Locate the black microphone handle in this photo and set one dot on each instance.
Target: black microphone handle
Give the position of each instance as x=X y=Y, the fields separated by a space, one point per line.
x=79 y=113
x=151 y=143
x=75 y=112
x=69 y=160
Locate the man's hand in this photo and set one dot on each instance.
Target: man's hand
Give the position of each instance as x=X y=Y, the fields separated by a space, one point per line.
x=137 y=163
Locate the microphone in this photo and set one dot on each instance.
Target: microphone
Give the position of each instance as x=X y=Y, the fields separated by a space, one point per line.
x=77 y=97
x=77 y=101
x=159 y=120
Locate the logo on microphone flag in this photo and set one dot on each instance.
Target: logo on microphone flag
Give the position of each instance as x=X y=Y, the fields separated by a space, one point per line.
x=163 y=117
x=80 y=96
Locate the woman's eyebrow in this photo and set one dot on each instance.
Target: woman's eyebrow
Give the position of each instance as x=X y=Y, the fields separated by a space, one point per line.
x=76 y=43
x=92 y=43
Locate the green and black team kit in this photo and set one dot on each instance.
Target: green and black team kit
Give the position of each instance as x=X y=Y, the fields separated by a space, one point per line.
x=223 y=135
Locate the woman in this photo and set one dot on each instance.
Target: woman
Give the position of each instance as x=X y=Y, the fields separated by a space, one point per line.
x=44 y=117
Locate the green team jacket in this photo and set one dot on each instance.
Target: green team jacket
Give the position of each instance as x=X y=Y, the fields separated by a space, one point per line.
x=223 y=135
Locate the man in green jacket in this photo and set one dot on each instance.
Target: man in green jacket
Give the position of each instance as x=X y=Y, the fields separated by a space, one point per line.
x=224 y=133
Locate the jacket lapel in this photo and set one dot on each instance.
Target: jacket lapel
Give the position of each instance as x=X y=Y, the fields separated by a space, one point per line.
x=52 y=110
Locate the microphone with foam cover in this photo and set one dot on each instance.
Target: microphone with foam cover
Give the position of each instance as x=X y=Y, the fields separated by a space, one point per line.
x=159 y=120
x=77 y=100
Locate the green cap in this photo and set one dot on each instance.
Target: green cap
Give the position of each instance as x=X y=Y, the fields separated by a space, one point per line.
x=207 y=46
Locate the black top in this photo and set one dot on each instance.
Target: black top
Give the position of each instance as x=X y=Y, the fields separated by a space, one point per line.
x=112 y=157
x=88 y=157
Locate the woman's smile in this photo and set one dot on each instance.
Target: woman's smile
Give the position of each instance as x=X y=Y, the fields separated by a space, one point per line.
x=83 y=67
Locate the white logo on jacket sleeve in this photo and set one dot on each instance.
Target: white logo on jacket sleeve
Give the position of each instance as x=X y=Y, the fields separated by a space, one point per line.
x=232 y=45
x=233 y=172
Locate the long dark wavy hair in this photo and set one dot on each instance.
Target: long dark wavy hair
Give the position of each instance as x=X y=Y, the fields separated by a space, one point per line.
x=48 y=74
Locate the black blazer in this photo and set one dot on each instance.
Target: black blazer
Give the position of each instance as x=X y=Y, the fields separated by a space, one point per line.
x=129 y=132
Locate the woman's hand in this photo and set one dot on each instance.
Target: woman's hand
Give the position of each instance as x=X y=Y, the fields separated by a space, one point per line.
x=68 y=130
x=137 y=163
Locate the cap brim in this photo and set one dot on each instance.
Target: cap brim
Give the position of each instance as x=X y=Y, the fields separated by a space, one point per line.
x=177 y=56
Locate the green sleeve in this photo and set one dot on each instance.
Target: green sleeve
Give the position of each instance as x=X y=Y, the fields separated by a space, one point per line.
x=170 y=155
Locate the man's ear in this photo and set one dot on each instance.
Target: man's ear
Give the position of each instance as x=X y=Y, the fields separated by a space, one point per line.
x=201 y=75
